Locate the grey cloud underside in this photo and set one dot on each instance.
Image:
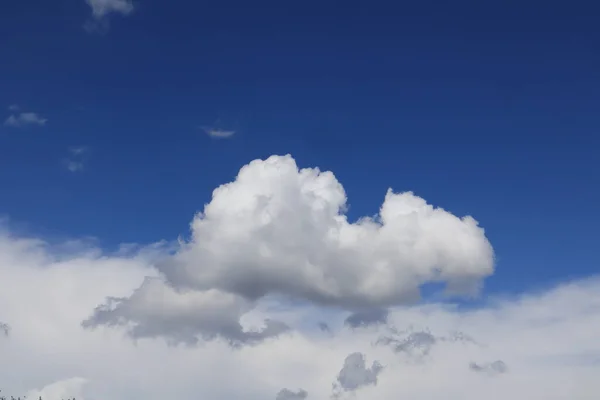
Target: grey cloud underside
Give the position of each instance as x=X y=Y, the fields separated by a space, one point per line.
x=355 y=373
x=4 y=329
x=286 y=394
x=495 y=368
x=181 y=317
x=367 y=318
x=419 y=344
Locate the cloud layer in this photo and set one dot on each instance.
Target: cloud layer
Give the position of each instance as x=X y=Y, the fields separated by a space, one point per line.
x=185 y=305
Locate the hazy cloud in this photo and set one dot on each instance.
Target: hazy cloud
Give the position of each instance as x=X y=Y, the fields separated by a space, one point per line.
x=414 y=344
x=75 y=161
x=101 y=9
x=4 y=328
x=494 y=368
x=158 y=310
x=74 y=166
x=219 y=133
x=69 y=388
x=24 y=119
x=78 y=150
x=324 y=327
x=541 y=336
x=13 y=107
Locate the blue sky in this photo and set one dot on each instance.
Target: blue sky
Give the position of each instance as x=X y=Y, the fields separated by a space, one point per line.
x=486 y=110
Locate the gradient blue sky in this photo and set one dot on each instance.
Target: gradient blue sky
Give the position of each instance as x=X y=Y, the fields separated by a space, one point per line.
x=483 y=109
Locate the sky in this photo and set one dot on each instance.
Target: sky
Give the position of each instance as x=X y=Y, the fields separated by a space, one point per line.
x=290 y=201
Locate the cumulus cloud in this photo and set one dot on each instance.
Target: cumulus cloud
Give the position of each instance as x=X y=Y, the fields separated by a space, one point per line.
x=280 y=230
x=24 y=119
x=101 y=8
x=286 y=394
x=156 y=309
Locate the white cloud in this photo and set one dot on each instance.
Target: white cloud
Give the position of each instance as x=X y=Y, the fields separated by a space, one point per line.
x=75 y=161
x=13 y=107
x=69 y=388
x=219 y=133
x=546 y=341
x=280 y=230
x=101 y=8
x=25 y=119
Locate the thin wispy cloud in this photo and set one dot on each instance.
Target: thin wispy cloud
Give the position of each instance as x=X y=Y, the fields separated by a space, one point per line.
x=219 y=133
x=24 y=119
x=75 y=161
x=78 y=150
x=13 y=107
x=74 y=166
x=101 y=9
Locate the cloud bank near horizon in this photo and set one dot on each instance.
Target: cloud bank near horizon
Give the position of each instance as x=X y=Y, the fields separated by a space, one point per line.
x=172 y=318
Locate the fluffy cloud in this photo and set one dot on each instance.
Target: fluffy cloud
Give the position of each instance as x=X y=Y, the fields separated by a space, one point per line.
x=24 y=119
x=366 y=318
x=546 y=341
x=280 y=230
